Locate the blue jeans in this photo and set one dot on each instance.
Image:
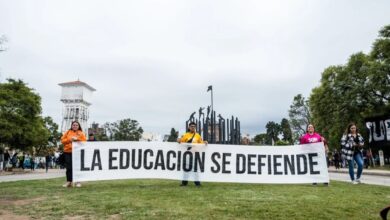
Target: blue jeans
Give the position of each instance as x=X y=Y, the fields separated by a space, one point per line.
x=359 y=161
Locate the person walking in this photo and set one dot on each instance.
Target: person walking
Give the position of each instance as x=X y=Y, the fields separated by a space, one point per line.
x=32 y=162
x=6 y=160
x=336 y=157
x=21 y=161
x=352 y=143
x=312 y=137
x=47 y=161
x=74 y=134
x=191 y=137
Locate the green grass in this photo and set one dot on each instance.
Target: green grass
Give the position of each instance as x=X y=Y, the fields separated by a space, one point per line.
x=164 y=199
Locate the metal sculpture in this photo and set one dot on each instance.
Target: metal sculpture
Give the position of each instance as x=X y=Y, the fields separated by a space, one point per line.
x=216 y=129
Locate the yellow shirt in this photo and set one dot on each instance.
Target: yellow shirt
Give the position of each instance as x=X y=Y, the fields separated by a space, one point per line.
x=187 y=136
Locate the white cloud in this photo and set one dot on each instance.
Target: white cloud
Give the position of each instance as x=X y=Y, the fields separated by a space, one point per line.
x=153 y=60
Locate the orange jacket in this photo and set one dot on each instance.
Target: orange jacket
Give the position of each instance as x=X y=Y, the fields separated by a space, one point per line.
x=66 y=139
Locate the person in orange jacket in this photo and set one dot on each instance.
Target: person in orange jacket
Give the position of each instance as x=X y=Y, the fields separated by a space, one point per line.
x=73 y=134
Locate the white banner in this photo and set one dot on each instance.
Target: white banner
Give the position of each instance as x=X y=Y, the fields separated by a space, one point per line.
x=212 y=163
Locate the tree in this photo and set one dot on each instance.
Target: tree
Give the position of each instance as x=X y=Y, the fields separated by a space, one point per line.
x=49 y=137
x=281 y=143
x=20 y=121
x=286 y=131
x=173 y=136
x=262 y=139
x=40 y=138
x=273 y=131
x=299 y=115
x=354 y=91
x=125 y=130
x=381 y=47
x=108 y=131
x=52 y=127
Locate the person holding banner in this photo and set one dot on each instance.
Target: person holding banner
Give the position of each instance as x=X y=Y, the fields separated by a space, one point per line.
x=191 y=137
x=352 y=143
x=73 y=134
x=312 y=137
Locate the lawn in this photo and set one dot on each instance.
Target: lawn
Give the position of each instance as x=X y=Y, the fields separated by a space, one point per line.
x=165 y=199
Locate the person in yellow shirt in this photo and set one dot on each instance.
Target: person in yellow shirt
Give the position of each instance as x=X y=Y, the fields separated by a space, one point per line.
x=191 y=137
x=75 y=133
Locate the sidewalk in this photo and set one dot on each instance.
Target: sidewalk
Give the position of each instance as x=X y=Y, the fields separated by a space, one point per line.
x=373 y=172
x=37 y=174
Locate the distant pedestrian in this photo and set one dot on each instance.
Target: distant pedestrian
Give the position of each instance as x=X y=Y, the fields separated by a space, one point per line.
x=91 y=137
x=370 y=158
x=21 y=161
x=352 y=142
x=365 y=158
x=47 y=162
x=336 y=157
x=14 y=160
x=75 y=133
x=32 y=162
x=6 y=159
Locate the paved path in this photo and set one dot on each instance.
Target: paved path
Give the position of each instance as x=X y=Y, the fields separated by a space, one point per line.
x=38 y=174
x=366 y=179
x=374 y=177
x=365 y=171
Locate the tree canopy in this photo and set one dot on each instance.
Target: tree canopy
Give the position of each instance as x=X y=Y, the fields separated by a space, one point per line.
x=21 y=123
x=353 y=91
x=123 y=130
x=299 y=114
x=173 y=136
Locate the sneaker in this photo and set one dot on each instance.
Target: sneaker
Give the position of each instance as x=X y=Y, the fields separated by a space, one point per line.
x=358 y=180
x=354 y=182
x=67 y=184
x=78 y=184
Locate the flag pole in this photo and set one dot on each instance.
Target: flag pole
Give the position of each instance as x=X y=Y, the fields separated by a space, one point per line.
x=212 y=105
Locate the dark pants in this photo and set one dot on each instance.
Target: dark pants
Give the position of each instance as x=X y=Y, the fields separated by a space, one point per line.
x=5 y=162
x=47 y=166
x=68 y=165
x=337 y=164
x=185 y=182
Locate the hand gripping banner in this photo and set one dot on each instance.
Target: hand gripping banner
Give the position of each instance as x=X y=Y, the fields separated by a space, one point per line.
x=196 y=162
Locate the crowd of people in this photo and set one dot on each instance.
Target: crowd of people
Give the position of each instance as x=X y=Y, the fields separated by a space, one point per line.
x=26 y=161
x=337 y=159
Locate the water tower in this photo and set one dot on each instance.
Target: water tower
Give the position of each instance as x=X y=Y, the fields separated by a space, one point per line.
x=76 y=97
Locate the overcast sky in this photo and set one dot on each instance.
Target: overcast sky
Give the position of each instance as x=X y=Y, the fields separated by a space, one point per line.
x=152 y=61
